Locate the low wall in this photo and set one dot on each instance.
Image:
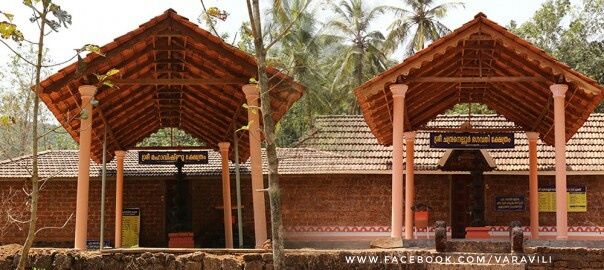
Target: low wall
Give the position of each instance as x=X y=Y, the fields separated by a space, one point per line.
x=549 y=258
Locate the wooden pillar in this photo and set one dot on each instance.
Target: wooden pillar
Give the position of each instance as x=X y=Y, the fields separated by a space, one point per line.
x=409 y=183
x=398 y=96
x=226 y=194
x=559 y=93
x=253 y=115
x=119 y=191
x=81 y=220
x=533 y=184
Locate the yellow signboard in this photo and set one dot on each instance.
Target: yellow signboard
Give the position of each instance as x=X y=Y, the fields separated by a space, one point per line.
x=576 y=199
x=131 y=224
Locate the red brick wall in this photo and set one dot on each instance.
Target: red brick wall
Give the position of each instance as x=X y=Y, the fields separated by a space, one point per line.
x=57 y=203
x=319 y=200
x=506 y=185
x=354 y=200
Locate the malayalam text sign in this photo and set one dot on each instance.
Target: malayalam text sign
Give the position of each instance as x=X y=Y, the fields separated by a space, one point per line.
x=510 y=203
x=576 y=198
x=471 y=140
x=131 y=225
x=170 y=157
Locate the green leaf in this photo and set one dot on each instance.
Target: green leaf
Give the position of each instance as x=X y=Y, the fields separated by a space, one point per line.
x=108 y=83
x=112 y=72
x=6 y=120
x=9 y=16
x=93 y=49
x=9 y=30
x=246 y=127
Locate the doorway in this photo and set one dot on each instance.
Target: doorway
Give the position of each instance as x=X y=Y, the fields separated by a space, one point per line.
x=461 y=204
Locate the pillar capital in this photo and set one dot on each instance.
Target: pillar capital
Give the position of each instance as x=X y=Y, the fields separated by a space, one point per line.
x=251 y=91
x=558 y=90
x=532 y=135
x=224 y=146
x=398 y=90
x=120 y=154
x=87 y=91
x=410 y=135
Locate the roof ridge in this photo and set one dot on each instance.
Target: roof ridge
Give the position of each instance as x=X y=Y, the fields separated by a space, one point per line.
x=22 y=157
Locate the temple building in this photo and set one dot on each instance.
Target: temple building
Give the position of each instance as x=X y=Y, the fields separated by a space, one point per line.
x=390 y=172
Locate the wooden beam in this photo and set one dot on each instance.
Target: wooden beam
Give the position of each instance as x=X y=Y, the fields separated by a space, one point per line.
x=477 y=79
x=153 y=81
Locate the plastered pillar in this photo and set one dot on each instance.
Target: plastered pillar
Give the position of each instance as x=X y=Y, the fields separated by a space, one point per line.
x=398 y=117
x=559 y=92
x=409 y=183
x=226 y=194
x=81 y=220
x=119 y=192
x=253 y=115
x=533 y=184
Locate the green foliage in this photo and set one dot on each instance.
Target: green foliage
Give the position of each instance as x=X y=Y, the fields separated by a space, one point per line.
x=360 y=51
x=418 y=25
x=470 y=108
x=574 y=34
x=170 y=137
x=16 y=103
x=8 y=30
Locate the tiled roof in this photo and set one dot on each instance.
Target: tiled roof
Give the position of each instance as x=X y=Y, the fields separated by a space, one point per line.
x=343 y=145
x=64 y=164
x=350 y=136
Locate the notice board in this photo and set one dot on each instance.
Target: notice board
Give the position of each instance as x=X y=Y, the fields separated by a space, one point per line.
x=576 y=199
x=131 y=224
x=510 y=203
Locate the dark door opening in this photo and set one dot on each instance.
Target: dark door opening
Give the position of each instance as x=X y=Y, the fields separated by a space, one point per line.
x=461 y=214
x=467 y=203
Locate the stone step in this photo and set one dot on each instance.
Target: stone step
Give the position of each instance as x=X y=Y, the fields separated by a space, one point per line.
x=478 y=246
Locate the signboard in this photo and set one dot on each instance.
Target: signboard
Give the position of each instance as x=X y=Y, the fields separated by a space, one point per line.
x=96 y=244
x=170 y=157
x=131 y=224
x=510 y=203
x=470 y=140
x=576 y=199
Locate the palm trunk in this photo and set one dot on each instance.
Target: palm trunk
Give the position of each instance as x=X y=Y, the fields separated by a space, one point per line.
x=269 y=137
x=354 y=109
x=33 y=217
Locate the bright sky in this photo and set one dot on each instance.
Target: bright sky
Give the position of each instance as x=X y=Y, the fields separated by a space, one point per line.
x=99 y=22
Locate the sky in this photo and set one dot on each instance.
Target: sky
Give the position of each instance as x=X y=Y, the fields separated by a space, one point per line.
x=99 y=22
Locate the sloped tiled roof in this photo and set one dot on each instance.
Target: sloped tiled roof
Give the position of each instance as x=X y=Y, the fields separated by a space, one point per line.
x=64 y=164
x=345 y=145
x=349 y=135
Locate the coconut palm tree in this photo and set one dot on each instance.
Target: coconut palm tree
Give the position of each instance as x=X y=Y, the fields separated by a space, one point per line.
x=362 y=53
x=421 y=24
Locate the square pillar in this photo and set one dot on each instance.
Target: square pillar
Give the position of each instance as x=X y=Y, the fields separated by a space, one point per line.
x=226 y=194
x=533 y=184
x=559 y=93
x=252 y=94
x=409 y=183
x=119 y=191
x=398 y=119
x=81 y=219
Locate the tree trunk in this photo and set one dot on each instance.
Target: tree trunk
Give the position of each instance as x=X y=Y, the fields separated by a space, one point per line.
x=33 y=217
x=269 y=137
